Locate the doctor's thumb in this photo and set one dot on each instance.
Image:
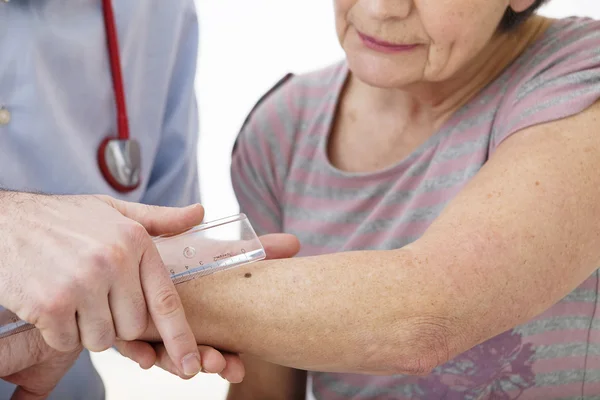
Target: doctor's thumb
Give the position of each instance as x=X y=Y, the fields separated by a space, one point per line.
x=159 y=220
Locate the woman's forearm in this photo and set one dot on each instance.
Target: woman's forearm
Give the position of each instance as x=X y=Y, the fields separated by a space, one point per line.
x=376 y=312
x=360 y=312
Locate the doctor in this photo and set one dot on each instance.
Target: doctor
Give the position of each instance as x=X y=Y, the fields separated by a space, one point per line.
x=97 y=115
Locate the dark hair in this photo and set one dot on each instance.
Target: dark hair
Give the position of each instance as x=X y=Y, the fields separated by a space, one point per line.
x=512 y=19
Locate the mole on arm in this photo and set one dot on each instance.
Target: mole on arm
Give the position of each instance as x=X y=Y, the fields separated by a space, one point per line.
x=247 y=275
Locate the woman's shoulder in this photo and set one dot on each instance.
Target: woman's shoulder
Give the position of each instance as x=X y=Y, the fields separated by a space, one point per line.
x=577 y=26
x=557 y=76
x=564 y=41
x=566 y=54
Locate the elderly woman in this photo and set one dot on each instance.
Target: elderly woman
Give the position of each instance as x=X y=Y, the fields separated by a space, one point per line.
x=444 y=183
x=459 y=142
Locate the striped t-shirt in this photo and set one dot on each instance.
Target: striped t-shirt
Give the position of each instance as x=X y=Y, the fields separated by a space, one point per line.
x=285 y=183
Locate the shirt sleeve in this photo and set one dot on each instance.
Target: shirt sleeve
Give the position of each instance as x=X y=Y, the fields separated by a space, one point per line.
x=174 y=179
x=260 y=160
x=560 y=77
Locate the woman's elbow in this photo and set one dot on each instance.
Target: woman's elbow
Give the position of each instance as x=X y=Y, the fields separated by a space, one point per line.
x=420 y=348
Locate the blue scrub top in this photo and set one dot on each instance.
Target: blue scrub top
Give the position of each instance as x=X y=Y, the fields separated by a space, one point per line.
x=58 y=105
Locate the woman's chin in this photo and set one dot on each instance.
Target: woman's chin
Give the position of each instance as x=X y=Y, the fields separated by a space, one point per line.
x=383 y=74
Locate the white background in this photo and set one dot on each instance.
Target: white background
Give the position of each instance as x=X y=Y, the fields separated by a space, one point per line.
x=245 y=47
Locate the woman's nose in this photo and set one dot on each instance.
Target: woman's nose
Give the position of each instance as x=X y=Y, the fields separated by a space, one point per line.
x=388 y=9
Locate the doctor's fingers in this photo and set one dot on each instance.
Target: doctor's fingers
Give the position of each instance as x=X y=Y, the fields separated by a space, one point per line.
x=128 y=305
x=280 y=245
x=100 y=310
x=56 y=320
x=118 y=310
x=158 y=220
x=141 y=352
x=112 y=302
x=96 y=327
x=228 y=366
x=167 y=313
x=234 y=370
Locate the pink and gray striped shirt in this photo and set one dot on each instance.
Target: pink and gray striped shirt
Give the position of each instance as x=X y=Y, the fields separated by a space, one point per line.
x=285 y=183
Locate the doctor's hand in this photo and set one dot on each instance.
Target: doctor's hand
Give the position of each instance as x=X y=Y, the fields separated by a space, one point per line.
x=36 y=368
x=85 y=271
x=229 y=366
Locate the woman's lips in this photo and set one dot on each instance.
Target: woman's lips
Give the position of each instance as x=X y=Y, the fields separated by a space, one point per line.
x=384 y=47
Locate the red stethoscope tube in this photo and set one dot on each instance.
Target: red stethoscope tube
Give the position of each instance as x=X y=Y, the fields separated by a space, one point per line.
x=115 y=67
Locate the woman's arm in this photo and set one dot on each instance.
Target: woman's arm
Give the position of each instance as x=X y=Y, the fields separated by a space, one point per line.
x=517 y=239
x=266 y=381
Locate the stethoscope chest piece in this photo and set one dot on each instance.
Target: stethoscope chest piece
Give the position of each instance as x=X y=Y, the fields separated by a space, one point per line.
x=120 y=163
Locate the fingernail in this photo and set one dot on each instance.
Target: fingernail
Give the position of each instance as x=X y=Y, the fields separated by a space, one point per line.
x=191 y=364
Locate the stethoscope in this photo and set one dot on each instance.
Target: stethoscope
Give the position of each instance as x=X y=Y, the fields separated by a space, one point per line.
x=119 y=158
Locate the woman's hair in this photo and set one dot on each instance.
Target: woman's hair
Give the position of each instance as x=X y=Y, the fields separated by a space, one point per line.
x=511 y=19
